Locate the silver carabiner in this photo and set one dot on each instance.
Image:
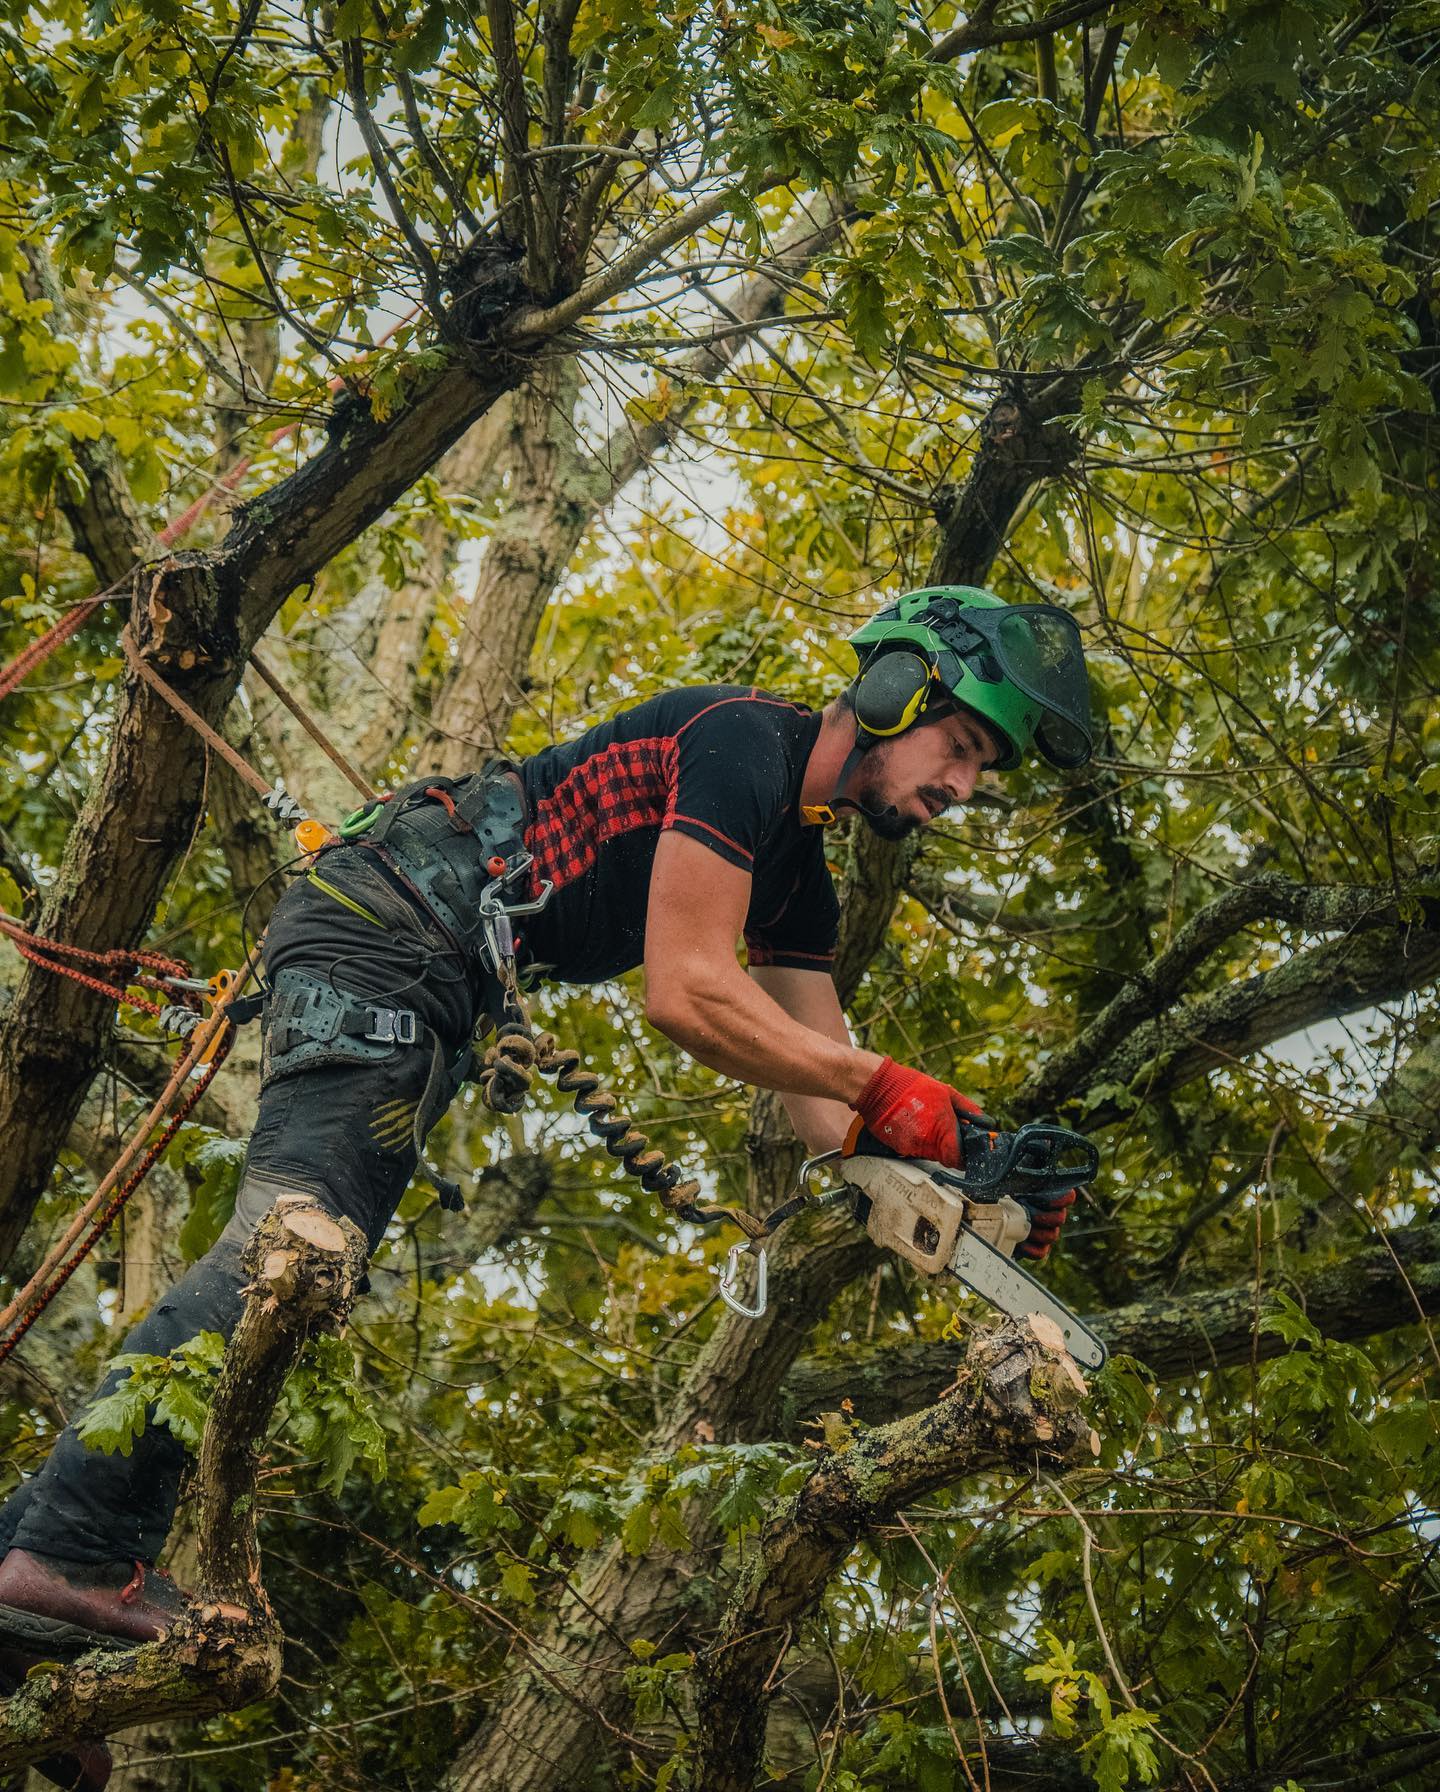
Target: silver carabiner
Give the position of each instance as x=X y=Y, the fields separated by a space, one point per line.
x=729 y=1278
x=831 y=1197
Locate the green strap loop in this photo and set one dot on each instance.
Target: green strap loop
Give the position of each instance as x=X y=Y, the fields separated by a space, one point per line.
x=359 y=820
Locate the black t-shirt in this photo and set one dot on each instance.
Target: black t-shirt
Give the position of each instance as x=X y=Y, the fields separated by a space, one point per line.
x=721 y=763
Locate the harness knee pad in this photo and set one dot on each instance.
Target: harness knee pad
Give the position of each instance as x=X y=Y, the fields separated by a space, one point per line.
x=307 y=1023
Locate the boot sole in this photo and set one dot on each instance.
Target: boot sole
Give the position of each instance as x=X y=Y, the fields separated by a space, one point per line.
x=52 y=1639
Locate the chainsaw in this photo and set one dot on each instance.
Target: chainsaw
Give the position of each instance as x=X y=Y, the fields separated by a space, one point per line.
x=963 y=1222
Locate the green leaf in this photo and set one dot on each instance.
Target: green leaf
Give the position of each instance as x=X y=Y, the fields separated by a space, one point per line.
x=112 y=1423
x=638 y=1528
x=517 y=1583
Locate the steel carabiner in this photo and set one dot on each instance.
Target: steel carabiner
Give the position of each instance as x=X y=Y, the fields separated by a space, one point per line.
x=729 y=1277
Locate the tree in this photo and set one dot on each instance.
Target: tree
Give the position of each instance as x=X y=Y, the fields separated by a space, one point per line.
x=726 y=327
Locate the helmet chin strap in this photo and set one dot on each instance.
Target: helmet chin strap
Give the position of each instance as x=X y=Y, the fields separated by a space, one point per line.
x=839 y=800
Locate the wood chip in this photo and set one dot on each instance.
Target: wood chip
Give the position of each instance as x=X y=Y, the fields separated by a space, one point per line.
x=1047 y=1334
x=315 y=1228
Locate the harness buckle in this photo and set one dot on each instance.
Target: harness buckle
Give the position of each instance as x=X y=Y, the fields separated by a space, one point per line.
x=391 y=1026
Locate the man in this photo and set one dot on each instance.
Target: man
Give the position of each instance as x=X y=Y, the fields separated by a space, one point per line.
x=664 y=835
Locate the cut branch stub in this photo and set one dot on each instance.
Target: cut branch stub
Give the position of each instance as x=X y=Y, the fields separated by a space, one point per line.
x=1016 y=1399
x=305 y=1268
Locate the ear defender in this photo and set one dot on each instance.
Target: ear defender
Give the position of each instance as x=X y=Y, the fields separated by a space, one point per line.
x=891 y=693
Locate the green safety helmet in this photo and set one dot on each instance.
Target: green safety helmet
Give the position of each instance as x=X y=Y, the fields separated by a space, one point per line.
x=1019 y=667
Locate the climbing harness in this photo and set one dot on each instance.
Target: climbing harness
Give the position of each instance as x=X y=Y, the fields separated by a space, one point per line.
x=459 y=846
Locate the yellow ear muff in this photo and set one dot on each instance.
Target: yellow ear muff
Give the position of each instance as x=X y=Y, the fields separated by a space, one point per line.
x=891 y=693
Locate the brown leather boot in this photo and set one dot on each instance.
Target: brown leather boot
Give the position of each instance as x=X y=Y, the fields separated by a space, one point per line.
x=85 y=1767
x=57 y=1611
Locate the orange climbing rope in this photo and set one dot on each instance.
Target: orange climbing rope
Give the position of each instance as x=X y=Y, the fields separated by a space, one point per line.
x=38 y=1292
x=206 y=1048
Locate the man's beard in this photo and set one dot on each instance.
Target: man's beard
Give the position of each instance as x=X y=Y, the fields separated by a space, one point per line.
x=880 y=816
x=890 y=824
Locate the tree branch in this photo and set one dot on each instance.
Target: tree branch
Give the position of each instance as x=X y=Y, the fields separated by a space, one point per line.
x=353 y=54
x=977 y=33
x=1015 y=1398
x=761 y=297
x=1374 y=1290
x=1321 y=983
x=305 y=1268
x=1020 y=443
x=541 y=321
x=1327 y=908
x=515 y=130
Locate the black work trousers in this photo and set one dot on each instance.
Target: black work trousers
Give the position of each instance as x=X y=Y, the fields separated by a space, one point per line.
x=344 y=1134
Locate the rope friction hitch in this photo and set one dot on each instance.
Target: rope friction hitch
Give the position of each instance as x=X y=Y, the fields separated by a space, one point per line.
x=181 y=1020
x=964 y=1223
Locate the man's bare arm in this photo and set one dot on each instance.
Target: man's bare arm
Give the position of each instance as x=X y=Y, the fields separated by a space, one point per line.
x=810 y=997
x=697 y=994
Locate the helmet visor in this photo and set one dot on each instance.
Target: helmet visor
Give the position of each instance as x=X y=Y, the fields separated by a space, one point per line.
x=1037 y=648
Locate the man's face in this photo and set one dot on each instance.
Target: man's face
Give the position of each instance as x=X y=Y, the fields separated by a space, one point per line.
x=922 y=772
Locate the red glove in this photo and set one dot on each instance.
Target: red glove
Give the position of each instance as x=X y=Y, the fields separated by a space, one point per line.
x=914 y=1115
x=1048 y=1215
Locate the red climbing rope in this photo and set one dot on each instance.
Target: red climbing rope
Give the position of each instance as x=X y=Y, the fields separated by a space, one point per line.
x=151 y=969
x=25 y=662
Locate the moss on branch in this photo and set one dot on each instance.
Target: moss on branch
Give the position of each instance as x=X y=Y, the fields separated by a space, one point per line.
x=1016 y=1398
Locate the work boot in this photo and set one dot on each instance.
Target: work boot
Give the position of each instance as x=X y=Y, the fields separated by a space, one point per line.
x=85 y=1767
x=58 y=1611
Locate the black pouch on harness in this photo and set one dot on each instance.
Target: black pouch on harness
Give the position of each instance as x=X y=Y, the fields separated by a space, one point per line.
x=449 y=838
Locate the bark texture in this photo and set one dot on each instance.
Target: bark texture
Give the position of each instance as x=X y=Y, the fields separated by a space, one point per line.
x=1020 y=445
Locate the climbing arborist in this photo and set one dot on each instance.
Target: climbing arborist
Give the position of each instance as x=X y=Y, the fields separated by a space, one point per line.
x=659 y=837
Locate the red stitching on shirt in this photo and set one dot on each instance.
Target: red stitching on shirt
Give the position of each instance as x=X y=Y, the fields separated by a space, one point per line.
x=753 y=697
x=671 y=818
